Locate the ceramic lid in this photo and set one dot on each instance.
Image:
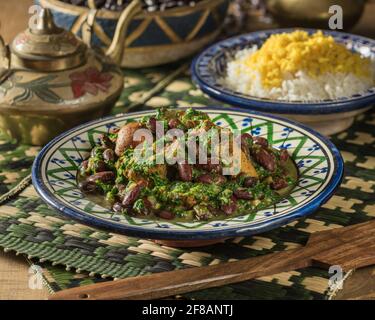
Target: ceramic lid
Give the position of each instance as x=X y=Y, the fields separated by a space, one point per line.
x=46 y=47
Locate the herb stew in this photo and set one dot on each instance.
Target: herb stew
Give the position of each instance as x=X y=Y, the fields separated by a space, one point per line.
x=112 y=176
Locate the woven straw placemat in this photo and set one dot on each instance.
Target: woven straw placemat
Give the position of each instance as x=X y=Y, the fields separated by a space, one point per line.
x=72 y=254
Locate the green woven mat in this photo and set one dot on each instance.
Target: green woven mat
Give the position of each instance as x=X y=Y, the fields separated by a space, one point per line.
x=73 y=255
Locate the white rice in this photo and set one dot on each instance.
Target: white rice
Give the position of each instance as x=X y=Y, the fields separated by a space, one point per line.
x=298 y=87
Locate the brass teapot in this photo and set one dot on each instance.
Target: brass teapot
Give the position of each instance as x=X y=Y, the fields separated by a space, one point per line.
x=50 y=80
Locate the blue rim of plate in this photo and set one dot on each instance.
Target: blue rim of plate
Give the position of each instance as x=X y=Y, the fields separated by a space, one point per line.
x=165 y=234
x=203 y=76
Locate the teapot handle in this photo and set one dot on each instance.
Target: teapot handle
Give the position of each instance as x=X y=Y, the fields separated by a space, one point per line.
x=4 y=60
x=88 y=26
x=116 y=48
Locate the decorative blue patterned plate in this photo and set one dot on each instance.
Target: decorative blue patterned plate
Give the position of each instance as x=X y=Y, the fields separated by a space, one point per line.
x=319 y=162
x=210 y=66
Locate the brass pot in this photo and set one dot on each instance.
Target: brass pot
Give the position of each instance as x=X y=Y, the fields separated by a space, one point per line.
x=313 y=13
x=51 y=81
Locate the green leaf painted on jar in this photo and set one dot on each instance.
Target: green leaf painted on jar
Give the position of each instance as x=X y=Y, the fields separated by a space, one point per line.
x=47 y=95
x=41 y=88
x=24 y=96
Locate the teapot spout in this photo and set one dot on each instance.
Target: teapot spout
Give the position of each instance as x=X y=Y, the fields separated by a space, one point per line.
x=116 y=49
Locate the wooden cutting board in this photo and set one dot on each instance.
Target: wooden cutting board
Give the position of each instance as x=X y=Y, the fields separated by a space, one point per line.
x=349 y=247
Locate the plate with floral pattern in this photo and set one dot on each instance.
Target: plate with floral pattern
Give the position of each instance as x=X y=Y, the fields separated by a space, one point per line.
x=319 y=163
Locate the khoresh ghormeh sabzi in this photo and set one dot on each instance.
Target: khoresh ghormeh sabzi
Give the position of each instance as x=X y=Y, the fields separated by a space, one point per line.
x=183 y=191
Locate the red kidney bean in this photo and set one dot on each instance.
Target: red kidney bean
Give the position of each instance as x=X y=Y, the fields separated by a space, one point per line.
x=87 y=186
x=265 y=159
x=131 y=195
x=244 y=140
x=278 y=184
x=185 y=172
x=246 y=135
x=284 y=155
x=104 y=176
x=242 y=194
x=205 y=178
x=117 y=207
x=99 y=166
x=152 y=124
x=261 y=141
x=230 y=208
x=250 y=182
x=109 y=155
x=165 y=214
x=210 y=167
x=173 y=123
x=210 y=179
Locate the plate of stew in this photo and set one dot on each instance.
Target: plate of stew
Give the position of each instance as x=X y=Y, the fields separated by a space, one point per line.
x=264 y=172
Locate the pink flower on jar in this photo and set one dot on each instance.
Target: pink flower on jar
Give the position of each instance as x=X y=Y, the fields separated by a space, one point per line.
x=89 y=81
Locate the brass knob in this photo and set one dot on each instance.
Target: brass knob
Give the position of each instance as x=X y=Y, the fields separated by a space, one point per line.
x=45 y=23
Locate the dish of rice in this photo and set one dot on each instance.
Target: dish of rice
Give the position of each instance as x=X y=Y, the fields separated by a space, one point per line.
x=300 y=67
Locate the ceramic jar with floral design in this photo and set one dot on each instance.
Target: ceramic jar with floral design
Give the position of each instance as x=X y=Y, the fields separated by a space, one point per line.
x=37 y=106
x=51 y=81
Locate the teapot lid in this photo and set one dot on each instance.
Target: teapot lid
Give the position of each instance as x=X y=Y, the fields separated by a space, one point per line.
x=46 y=47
